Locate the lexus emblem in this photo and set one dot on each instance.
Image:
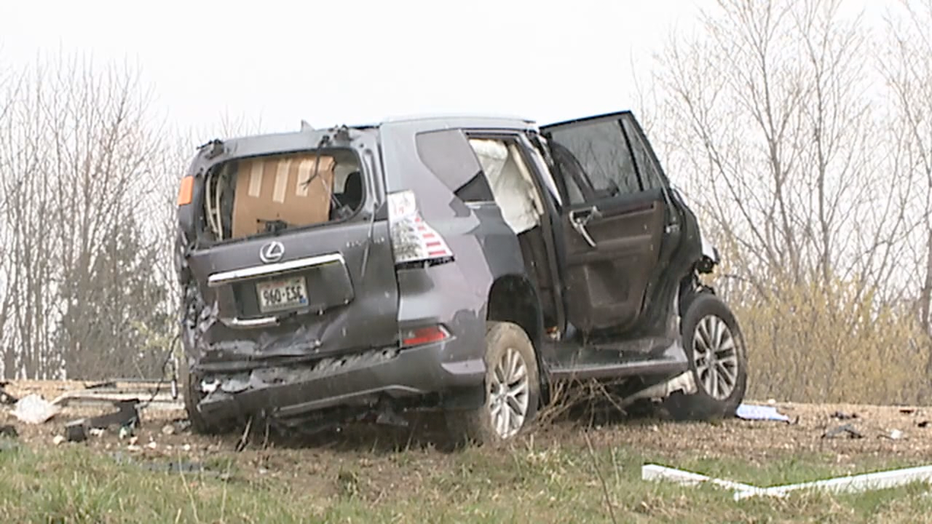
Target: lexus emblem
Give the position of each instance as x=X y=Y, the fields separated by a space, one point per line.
x=272 y=252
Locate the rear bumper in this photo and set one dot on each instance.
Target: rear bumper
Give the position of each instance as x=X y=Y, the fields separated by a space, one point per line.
x=357 y=379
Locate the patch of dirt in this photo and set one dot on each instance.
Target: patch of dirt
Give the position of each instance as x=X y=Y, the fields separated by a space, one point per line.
x=333 y=462
x=894 y=431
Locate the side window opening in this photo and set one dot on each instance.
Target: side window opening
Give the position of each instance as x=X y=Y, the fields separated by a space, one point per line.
x=271 y=193
x=511 y=182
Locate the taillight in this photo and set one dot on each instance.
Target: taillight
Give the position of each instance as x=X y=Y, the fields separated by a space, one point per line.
x=424 y=335
x=414 y=242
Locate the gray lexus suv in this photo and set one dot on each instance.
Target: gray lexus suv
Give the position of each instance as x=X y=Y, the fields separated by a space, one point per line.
x=461 y=264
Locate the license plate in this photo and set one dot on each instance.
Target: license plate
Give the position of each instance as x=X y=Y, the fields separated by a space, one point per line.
x=282 y=294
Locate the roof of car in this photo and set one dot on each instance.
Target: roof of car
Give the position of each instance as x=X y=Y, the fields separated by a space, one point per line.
x=482 y=117
x=428 y=121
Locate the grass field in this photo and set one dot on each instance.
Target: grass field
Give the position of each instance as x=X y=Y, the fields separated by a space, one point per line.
x=552 y=483
x=563 y=472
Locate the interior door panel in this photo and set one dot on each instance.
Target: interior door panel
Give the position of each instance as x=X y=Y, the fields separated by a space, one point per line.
x=605 y=283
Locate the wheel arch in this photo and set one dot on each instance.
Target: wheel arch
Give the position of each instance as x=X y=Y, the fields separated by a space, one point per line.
x=512 y=298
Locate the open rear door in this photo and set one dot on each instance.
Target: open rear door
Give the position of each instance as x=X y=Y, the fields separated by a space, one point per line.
x=295 y=270
x=614 y=220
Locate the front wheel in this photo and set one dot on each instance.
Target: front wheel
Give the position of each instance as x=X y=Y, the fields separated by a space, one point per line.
x=717 y=359
x=512 y=389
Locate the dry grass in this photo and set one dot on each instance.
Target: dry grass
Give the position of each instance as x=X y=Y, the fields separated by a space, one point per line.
x=564 y=471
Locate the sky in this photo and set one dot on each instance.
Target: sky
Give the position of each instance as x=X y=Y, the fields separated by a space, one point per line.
x=359 y=61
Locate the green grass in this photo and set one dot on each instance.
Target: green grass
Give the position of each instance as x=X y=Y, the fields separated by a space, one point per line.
x=553 y=484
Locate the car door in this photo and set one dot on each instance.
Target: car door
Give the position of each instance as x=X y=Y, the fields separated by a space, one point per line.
x=614 y=219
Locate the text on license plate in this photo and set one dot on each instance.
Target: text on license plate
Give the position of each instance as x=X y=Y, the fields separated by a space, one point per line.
x=282 y=294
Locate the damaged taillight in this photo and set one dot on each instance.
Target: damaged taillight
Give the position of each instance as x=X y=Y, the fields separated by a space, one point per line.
x=423 y=335
x=414 y=242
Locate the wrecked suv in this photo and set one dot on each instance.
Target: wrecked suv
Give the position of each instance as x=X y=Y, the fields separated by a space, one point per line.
x=460 y=264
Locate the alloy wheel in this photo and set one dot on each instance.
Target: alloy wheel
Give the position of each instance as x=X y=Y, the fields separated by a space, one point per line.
x=715 y=355
x=508 y=394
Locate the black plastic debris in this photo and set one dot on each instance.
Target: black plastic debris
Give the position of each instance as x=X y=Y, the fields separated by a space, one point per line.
x=923 y=424
x=843 y=430
x=841 y=415
x=126 y=416
x=76 y=431
x=6 y=398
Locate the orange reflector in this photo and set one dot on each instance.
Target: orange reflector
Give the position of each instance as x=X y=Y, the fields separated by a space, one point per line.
x=425 y=335
x=186 y=191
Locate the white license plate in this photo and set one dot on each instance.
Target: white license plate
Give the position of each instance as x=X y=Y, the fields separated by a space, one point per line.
x=282 y=294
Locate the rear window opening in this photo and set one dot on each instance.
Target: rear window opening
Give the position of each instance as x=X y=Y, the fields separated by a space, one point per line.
x=273 y=193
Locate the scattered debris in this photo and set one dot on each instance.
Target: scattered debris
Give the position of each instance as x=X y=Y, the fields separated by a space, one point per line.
x=852 y=483
x=907 y=411
x=126 y=418
x=844 y=429
x=6 y=398
x=841 y=415
x=894 y=434
x=76 y=431
x=122 y=390
x=168 y=429
x=8 y=431
x=923 y=424
x=58 y=440
x=33 y=409
x=752 y=412
x=846 y=484
x=657 y=472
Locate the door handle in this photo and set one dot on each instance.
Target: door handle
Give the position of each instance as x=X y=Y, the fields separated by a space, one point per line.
x=580 y=218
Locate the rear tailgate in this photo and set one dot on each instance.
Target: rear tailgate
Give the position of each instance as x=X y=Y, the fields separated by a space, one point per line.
x=301 y=292
x=346 y=306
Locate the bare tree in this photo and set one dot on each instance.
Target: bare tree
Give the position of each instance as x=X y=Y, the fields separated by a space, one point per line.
x=8 y=91
x=80 y=149
x=775 y=98
x=771 y=113
x=908 y=69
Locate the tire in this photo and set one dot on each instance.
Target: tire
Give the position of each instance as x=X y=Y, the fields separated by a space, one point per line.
x=191 y=396
x=508 y=350
x=706 y=324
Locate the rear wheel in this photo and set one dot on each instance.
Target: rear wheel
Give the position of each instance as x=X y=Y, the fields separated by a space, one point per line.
x=512 y=389
x=190 y=391
x=717 y=359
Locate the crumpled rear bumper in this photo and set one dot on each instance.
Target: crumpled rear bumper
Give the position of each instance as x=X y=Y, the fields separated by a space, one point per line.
x=356 y=379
